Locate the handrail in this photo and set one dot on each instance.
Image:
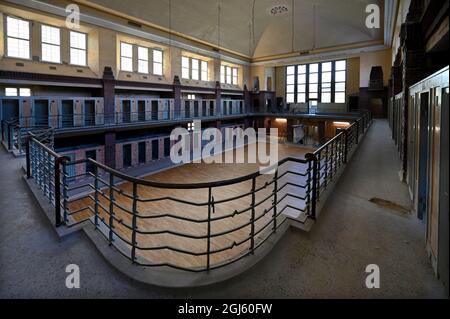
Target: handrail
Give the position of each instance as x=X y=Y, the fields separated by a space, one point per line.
x=119 y=213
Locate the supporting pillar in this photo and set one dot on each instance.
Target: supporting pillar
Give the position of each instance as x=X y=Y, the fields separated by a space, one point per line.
x=177 y=96
x=110 y=149
x=321 y=126
x=290 y=130
x=108 y=93
x=218 y=92
x=247 y=100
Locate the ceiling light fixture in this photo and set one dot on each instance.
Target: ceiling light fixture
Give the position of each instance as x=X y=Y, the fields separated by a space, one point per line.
x=279 y=10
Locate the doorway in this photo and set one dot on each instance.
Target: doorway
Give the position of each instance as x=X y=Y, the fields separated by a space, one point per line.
x=126 y=154
x=89 y=113
x=67 y=113
x=423 y=157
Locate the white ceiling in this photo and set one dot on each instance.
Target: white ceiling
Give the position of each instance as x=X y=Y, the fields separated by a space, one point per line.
x=337 y=22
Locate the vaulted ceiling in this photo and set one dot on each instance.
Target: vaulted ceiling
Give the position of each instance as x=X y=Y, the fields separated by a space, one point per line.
x=251 y=29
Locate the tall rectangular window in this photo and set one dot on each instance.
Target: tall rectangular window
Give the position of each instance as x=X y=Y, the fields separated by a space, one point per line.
x=78 y=48
x=340 y=78
x=126 y=57
x=51 y=44
x=290 y=84
x=17 y=38
x=194 y=69
x=235 y=76
x=323 y=82
x=326 y=82
x=157 y=62
x=185 y=67
x=142 y=60
x=222 y=74
x=301 y=84
x=204 y=67
x=228 y=75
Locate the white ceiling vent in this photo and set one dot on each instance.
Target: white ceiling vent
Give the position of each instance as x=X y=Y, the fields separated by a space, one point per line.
x=279 y=10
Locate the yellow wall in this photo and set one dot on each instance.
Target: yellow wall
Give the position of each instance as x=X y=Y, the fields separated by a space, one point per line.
x=370 y=59
x=103 y=51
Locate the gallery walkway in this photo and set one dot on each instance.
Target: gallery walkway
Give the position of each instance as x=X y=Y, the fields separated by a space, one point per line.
x=351 y=233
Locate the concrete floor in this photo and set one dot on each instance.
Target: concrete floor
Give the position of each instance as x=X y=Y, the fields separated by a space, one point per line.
x=328 y=262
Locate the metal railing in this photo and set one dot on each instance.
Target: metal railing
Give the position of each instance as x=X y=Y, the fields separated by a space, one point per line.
x=193 y=227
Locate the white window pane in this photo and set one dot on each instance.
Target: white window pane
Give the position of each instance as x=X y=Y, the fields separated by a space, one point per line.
x=126 y=64
x=142 y=66
x=301 y=79
x=326 y=67
x=290 y=79
x=185 y=62
x=185 y=73
x=157 y=69
x=289 y=98
x=313 y=95
x=340 y=87
x=51 y=53
x=204 y=75
x=290 y=89
x=142 y=53
x=77 y=57
x=126 y=50
x=50 y=35
x=290 y=70
x=326 y=77
x=313 y=88
x=301 y=69
x=77 y=40
x=340 y=65
x=10 y=91
x=301 y=88
x=339 y=98
x=313 y=68
x=235 y=80
x=228 y=72
x=326 y=97
x=313 y=78
x=235 y=72
x=25 y=92
x=301 y=98
x=194 y=63
x=195 y=75
x=18 y=48
x=18 y=28
x=157 y=56
x=326 y=87
x=340 y=76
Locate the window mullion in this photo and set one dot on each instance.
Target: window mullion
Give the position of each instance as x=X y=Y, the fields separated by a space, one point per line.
x=333 y=81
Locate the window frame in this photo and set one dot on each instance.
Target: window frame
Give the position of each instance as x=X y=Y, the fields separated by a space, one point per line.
x=20 y=39
x=199 y=71
x=75 y=48
x=161 y=63
x=319 y=82
x=126 y=57
x=227 y=74
x=139 y=59
x=51 y=44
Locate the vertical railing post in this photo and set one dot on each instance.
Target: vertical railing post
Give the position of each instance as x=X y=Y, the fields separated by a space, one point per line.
x=9 y=137
x=357 y=132
x=311 y=158
x=28 y=158
x=345 y=145
x=134 y=223
x=57 y=192
x=111 y=207
x=252 y=220
x=208 y=231
x=326 y=167
x=275 y=200
x=96 y=197
x=64 y=188
x=308 y=187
